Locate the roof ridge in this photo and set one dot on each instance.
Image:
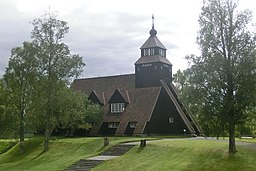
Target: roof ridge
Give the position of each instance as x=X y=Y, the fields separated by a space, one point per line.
x=105 y=76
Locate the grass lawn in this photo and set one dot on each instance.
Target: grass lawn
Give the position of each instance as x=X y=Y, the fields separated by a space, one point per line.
x=3 y=145
x=62 y=153
x=184 y=155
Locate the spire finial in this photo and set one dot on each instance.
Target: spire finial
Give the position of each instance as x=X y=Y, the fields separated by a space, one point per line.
x=153 y=18
x=153 y=32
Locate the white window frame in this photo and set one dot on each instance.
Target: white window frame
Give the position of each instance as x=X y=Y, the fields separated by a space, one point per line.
x=113 y=125
x=171 y=120
x=117 y=107
x=132 y=124
x=152 y=51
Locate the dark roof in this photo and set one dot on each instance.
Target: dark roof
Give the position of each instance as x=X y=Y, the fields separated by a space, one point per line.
x=153 y=41
x=142 y=100
x=150 y=59
x=122 y=93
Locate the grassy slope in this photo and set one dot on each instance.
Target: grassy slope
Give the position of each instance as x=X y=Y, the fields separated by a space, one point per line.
x=62 y=153
x=185 y=155
x=164 y=155
x=3 y=145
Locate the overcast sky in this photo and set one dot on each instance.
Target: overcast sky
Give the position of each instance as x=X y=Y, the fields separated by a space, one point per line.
x=108 y=33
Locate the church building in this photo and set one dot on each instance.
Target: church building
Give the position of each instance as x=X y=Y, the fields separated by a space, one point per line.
x=144 y=103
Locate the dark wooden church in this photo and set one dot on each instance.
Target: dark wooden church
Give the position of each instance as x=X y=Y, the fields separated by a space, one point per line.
x=142 y=103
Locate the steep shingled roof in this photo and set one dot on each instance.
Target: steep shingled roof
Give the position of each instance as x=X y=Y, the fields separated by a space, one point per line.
x=152 y=41
x=142 y=100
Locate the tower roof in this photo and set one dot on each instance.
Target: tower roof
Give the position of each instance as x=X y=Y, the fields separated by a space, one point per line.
x=151 y=59
x=152 y=41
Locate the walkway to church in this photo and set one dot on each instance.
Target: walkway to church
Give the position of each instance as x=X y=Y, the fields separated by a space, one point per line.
x=118 y=150
x=87 y=164
x=115 y=151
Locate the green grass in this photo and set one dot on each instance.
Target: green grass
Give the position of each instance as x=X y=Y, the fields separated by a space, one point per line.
x=177 y=155
x=246 y=140
x=62 y=153
x=5 y=145
x=183 y=155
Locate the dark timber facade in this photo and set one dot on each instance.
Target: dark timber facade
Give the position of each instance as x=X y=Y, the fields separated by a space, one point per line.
x=142 y=103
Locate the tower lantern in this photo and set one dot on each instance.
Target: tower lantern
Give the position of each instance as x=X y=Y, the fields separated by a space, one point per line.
x=153 y=65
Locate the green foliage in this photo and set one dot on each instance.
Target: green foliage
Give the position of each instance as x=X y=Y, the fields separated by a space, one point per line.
x=57 y=66
x=75 y=111
x=36 y=93
x=56 y=61
x=19 y=78
x=7 y=116
x=224 y=76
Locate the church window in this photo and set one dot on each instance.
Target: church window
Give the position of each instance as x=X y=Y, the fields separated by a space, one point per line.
x=113 y=125
x=133 y=124
x=155 y=67
x=160 y=52
x=117 y=107
x=152 y=51
x=145 y=52
x=138 y=69
x=171 y=120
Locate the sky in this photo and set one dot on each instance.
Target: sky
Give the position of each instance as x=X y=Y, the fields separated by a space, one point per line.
x=109 y=33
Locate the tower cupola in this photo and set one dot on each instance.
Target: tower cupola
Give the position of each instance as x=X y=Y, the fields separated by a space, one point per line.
x=153 y=65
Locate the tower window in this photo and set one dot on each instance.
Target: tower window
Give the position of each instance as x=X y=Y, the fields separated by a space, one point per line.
x=117 y=107
x=152 y=51
x=162 y=52
x=145 y=52
x=149 y=52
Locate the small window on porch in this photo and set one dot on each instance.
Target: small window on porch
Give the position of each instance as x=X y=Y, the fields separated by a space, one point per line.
x=171 y=120
x=113 y=125
x=133 y=124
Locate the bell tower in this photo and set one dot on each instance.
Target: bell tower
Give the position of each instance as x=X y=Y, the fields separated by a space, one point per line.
x=153 y=65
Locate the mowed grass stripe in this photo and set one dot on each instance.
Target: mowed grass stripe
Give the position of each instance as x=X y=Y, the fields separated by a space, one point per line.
x=184 y=155
x=62 y=153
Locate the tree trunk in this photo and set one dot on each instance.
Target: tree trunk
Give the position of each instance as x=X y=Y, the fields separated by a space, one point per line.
x=232 y=144
x=21 y=134
x=21 y=129
x=46 y=140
